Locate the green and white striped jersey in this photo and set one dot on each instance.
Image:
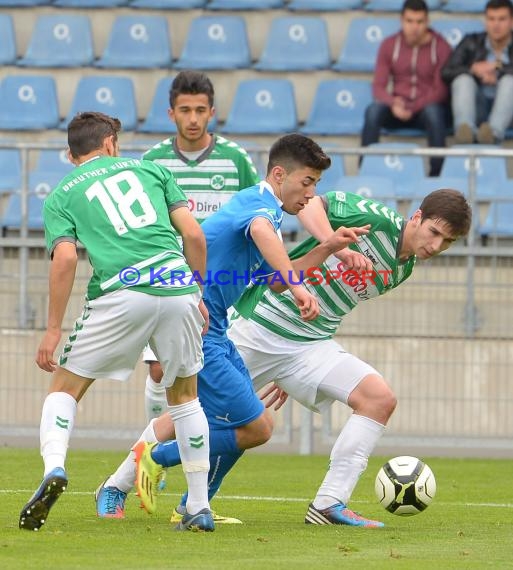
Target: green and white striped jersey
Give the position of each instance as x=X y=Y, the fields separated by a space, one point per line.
x=210 y=180
x=118 y=208
x=337 y=290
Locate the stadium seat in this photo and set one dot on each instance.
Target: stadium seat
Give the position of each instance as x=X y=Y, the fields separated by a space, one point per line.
x=403 y=170
x=338 y=107
x=499 y=221
x=396 y=5
x=330 y=179
x=22 y=3
x=28 y=103
x=296 y=43
x=111 y=95
x=90 y=3
x=60 y=40
x=324 y=5
x=10 y=170
x=424 y=186
x=363 y=38
x=53 y=161
x=157 y=120
x=453 y=29
x=137 y=42
x=476 y=6
x=262 y=106
x=8 y=52
x=40 y=185
x=167 y=4
x=216 y=42
x=375 y=187
x=244 y=4
x=491 y=172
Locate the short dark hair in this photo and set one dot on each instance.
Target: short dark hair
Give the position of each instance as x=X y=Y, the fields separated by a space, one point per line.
x=87 y=131
x=296 y=151
x=496 y=4
x=415 y=6
x=191 y=83
x=450 y=206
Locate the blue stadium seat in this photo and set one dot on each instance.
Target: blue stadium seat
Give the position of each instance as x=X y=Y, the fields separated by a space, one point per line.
x=476 y=6
x=396 y=5
x=330 y=179
x=53 y=161
x=22 y=3
x=376 y=187
x=216 y=42
x=324 y=5
x=10 y=170
x=339 y=107
x=453 y=29
x=167 y=4
x=244 y=4
x=262 y=106
x=499 y=221
x=8 y=52
x=296 y=43
x=157 y=120
x=290 y=226
x=363 y=38
x=403 y=170
x=138 y=42
x=60 y=40
x=424 y=186
x=90 y=3
x=111 y=95
x=40 y=185
x=28 y=103
x=491 y=172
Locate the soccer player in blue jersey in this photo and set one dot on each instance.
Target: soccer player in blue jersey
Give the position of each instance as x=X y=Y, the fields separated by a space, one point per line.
x=242 y=238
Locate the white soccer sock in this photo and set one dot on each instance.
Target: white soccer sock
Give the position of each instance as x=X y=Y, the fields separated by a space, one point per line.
x=124 y=477
x=57 y=419
x=155 y=399
x=348 y=460
x=192 y=436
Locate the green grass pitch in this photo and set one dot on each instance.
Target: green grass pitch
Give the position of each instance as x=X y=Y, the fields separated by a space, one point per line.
x=469 y=524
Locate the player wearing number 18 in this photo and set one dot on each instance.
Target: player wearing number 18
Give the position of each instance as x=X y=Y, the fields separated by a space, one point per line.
x=122 y=211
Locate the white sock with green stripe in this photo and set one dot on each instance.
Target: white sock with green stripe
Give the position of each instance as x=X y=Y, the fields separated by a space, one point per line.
x=348 y=460
x=57 y=419
x=192 y=435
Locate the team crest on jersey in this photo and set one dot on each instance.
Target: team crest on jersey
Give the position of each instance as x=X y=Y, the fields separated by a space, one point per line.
x=340 y=196
x=217 y=182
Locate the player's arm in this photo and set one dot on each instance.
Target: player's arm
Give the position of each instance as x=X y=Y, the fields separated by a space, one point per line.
x=263 y=234
x=62 y=277
x=194 y=247
x=315 y=221
x=334 y=244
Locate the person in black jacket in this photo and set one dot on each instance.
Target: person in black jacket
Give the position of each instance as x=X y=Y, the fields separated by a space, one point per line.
x=480 y=73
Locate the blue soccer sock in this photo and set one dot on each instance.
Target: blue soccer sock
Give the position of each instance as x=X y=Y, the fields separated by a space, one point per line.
x=220 y=465
x=222 y=442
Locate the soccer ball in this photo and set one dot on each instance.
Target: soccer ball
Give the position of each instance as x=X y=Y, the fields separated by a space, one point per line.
x=405 y=486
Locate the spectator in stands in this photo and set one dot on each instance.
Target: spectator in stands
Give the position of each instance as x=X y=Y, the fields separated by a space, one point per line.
x=407 y=87
x=480 y=73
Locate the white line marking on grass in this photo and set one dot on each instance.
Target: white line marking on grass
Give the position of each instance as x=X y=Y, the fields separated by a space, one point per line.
x=276 y=499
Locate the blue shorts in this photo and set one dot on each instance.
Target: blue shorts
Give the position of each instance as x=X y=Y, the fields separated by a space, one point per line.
x=225 y=388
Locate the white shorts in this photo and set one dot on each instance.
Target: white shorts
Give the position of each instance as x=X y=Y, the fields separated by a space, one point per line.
x=113 y=329
x=148 y=355
x=297 y=367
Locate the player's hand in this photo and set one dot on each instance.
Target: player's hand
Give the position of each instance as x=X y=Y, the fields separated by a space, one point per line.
x=354 y=260
x=204 y=313
x=342 y=237
x=44 y=356
x=306 y=303
x=274 y=394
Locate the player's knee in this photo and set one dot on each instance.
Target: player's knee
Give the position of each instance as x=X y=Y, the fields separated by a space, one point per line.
x=388 y=402
x=156 y=372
